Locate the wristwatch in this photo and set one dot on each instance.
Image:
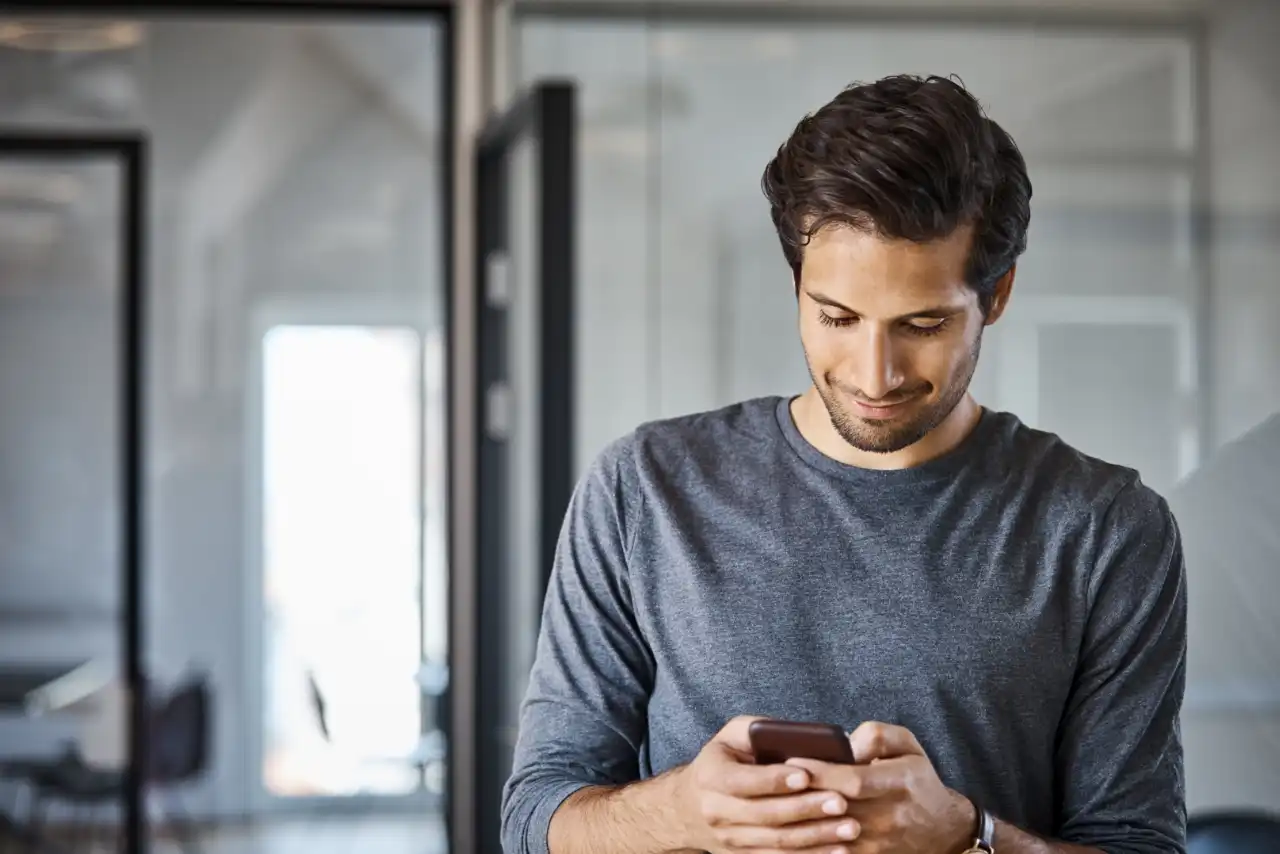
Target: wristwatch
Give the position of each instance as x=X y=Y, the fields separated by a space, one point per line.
x=983 y=844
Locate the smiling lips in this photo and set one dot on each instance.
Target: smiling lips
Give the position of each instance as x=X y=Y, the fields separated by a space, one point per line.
x=879 y=411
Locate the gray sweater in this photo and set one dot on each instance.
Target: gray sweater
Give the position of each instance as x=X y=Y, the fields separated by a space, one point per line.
x=1019 y=606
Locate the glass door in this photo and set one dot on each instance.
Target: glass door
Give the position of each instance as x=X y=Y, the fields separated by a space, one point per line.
x=526 y=417
x=72 y=208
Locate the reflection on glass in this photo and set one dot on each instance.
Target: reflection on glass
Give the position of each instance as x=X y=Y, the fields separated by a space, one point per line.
x=341 y=559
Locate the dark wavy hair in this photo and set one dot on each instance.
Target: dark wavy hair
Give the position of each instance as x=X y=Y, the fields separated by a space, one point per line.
x=905 y=157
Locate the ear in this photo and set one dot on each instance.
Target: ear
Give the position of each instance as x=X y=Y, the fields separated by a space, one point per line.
x=1000 y=296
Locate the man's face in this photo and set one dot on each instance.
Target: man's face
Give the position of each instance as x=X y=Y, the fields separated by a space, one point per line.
x=891 y=332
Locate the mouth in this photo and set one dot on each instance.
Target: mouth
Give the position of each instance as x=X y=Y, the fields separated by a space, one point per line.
x=879 y=411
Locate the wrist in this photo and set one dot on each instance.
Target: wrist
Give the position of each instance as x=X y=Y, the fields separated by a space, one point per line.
x=963 y=825
x=664 y=802
x=678 y=801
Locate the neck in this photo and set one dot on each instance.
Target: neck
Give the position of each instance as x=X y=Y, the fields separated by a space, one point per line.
x=814 y=423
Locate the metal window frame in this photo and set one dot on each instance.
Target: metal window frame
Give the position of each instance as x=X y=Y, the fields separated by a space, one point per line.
x=546 y=117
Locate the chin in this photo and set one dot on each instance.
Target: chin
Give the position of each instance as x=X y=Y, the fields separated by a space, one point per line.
x=883 y=441
x=887 y=435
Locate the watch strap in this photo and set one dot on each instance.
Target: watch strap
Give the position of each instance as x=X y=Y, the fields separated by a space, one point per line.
x=986 y=830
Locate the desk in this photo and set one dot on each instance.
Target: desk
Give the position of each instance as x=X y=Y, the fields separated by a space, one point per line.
x=17 y=681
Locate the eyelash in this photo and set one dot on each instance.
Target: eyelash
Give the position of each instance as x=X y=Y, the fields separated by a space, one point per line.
x=923 y=331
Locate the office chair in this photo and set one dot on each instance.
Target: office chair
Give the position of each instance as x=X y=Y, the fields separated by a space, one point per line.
x=1234 y=832
x=178 y=752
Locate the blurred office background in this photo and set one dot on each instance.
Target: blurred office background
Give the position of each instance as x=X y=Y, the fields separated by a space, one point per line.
x=350 y=461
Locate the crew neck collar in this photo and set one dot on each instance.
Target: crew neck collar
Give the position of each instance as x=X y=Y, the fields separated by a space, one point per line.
x=945 y=466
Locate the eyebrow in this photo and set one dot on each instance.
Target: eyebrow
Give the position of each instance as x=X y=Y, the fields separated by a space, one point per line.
x=937 y=311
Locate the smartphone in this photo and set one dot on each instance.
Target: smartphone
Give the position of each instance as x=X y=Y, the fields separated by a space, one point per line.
x=775 y=741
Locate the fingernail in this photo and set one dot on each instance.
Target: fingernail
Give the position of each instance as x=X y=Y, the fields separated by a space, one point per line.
x=840 y=850
x=795 y=781
x=846 y=830
x=833 y=807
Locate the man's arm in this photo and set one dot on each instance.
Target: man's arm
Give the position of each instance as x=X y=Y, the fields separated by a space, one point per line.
x=1119 y=757
x=1011 y=840
x=583 y=717
x=634 y=819
x=1120 y=768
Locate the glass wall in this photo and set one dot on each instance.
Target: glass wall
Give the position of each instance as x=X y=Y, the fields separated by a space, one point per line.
x=296 y=414
x=61 y=474
x=1139 y=325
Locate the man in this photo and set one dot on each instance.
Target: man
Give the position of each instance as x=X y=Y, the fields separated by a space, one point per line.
x=998 y=619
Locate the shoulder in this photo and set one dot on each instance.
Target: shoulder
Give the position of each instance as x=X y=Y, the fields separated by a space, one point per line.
x=694 y=440
x=1128 y=529
x=659 y=453
x=1076 y=485
x=1059 y=465
x=1126 y=544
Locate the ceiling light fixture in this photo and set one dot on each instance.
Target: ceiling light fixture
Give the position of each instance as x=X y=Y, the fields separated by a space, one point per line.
x=62 y=35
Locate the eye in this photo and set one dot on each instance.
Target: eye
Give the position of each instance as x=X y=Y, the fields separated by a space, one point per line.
x=827 y=320
x=927 y=325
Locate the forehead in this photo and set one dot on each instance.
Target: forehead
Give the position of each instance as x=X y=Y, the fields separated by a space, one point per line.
x=867 y=273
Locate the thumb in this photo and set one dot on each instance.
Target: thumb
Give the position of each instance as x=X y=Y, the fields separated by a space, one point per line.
x=735 y=734
x=874 y=740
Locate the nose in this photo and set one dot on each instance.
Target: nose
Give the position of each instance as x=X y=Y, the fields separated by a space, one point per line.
x=878 y=373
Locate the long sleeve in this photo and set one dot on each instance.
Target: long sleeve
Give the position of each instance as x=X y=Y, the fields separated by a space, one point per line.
x=1120 y=759
x=583 y=717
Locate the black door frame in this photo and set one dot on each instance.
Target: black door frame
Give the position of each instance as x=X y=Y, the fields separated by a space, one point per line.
x=546 y=116
x=130 y=151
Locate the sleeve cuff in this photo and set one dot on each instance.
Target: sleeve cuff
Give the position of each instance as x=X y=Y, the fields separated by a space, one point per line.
x=535 y=838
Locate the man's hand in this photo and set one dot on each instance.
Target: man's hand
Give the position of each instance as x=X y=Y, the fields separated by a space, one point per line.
x=731 y=805
x=895 y=795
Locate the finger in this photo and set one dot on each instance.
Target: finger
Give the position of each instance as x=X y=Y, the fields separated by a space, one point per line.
x=772 y=811
x=730 y=776
x=875 y=740
x=813 y=835
x=858 y=782
x=727 y=766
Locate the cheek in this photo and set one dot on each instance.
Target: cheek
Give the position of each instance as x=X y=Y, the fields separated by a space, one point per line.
x=937 y=361
x=820 y=343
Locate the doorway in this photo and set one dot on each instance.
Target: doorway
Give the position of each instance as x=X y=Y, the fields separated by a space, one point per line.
x=349 y=619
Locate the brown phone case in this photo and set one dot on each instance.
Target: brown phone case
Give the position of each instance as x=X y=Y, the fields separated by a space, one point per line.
x=775 y=741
